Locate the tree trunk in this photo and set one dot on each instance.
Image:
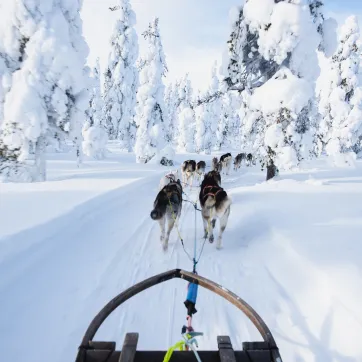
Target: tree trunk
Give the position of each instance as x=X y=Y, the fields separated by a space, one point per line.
x=78 y=151
x=40 y=160
x=270 y=172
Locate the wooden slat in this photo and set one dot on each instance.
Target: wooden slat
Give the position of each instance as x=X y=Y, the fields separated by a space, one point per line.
x=226 y=351
x=129 y=348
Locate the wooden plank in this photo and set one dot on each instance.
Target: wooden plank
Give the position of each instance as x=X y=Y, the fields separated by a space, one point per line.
x=129 y=348
x=226 y=351
x=178 y=356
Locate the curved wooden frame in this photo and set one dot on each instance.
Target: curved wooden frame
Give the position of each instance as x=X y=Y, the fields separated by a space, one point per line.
x=192 y=278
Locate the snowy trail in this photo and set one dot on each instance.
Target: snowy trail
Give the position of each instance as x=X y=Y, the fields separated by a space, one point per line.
x=81 y=260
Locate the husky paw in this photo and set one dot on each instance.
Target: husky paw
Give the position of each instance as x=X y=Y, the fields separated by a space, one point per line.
x=219 y=246
x=211 y=239
x=164 y=246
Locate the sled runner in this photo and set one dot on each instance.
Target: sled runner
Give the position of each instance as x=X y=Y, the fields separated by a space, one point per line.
x=92 y=351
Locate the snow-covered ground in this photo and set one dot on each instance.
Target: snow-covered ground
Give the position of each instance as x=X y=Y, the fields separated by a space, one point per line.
x=292 y=249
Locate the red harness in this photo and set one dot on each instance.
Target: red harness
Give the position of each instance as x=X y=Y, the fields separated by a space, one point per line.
x=171 y=177
x=213 y=194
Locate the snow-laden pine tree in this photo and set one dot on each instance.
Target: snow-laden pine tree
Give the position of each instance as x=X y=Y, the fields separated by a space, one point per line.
x=150 y=110
x=48 y=92
x=94 y=131
x=243 y=66
x=186 y=117
x=229 y=122
x=199 y=125
x=281 y=114
x=13 y=38
x=171 y=103
x=216 y=121
x=210 y=113
x=121 y=78
x=341 y=97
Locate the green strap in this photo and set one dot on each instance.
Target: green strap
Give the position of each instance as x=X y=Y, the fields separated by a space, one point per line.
x=179 y=345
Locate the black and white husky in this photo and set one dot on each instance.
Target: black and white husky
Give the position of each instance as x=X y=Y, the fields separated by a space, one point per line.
x=188 y=169
x=250 y=160
x=226 y=161
x=215 y=204
x=200 y=169
x=167 y=209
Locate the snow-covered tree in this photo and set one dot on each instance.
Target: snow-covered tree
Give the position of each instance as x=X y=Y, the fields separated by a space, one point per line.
x=13 y=39
x=48 y=92
x=216 y=121
x=229 y=123
x=94 y=131
x=282 y=131
x=243 y=65
x=121 y=78
x=186 y=140
x=171 y=104
x=185 y=117
x=150 y=110
x=199 y=125
x=341 y=96
x=208 y=115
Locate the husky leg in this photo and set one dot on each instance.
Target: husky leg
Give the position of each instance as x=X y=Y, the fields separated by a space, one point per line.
x=204 y=220
x=211 y=227
x=208 y=225
x=170 y=225
x=223 y=223
x=162 y=226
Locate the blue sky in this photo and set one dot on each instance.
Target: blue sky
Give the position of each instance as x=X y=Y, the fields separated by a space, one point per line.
x=194 y=32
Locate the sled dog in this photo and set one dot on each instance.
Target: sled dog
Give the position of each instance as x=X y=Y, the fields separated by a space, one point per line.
x=216 y=165
x=170 y=177
x=200 y=169
x=188 y=169
x=225 y=161
x=215 y=204
x=238 y=160
x=250 y=159
x=216 y=176
x=167 y=209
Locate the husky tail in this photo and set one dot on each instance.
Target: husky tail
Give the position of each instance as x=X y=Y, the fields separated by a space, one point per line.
x=159 y=207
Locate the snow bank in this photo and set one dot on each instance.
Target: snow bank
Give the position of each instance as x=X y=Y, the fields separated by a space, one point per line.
x=165 y=157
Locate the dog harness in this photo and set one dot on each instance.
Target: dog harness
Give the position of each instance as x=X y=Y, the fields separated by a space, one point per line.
x=170 y=176
x=213 y=194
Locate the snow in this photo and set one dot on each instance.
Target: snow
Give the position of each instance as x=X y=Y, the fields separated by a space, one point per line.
x=291 y=250
x=291 y=30
x=330 y=26
x=283 y=90
x=258 y=12
x=234 y=15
